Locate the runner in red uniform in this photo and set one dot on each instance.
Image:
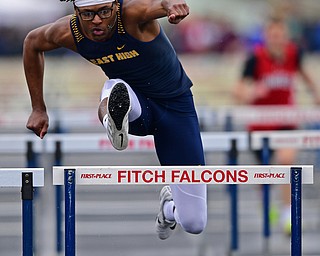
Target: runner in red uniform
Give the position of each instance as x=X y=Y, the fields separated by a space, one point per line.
x=271 y=70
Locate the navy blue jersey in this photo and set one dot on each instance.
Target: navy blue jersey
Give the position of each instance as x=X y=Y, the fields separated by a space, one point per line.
x=151 y=68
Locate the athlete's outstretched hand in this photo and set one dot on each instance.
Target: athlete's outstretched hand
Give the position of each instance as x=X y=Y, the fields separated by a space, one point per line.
x=38 y=122
x=177 y=10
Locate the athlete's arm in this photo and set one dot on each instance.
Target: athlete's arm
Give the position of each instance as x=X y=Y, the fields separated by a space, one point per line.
x=144 y=11
x=243 y=92
x=310 y=84
x=38 y=41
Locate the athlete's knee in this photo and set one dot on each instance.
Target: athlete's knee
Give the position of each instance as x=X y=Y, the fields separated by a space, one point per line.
x=194 y=224
x=107 y=87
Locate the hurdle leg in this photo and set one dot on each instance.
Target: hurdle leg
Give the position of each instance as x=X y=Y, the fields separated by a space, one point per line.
x=266 y=200
x=27 y=214
x=31 y=155
x=70 y=239
x=233 y=189
x=58 y=192
x=234 y=219
x=59 y=236
x=296 y=212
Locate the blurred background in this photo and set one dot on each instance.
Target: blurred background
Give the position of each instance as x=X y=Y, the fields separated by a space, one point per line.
x=212 y=44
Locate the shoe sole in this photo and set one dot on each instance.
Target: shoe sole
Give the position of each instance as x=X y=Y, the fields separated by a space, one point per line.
x=118 y=110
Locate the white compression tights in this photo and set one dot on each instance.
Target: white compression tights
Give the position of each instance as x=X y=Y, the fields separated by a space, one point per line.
x=190 y=207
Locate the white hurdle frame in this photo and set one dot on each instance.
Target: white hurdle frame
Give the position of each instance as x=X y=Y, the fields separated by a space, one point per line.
x=26 y=179
x=138 y=175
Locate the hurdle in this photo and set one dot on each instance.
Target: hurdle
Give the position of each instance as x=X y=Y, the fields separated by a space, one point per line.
x=59 y=144
x=272 y=140
x=265 y=141
x=26 y=179
x=98 y=143
x=284 y=115
x=84 y=143
x=70 y=176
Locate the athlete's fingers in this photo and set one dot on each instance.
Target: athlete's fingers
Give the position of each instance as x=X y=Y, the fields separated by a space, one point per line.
x=44 y=131
x=178 y=12
x=175 y=19
x=39 y=130
x=172 y=18
x=38 y=122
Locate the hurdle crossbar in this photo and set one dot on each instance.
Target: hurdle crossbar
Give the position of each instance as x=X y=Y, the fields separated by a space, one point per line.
x=129 y=175
x=11 y=177
x=212 y=141
x=142 y=175
x=27 y=179
x=98 y=142
x=286 y=139
x=283 y=115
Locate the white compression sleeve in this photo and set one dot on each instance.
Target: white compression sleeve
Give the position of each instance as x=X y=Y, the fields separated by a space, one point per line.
x=135 y=104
